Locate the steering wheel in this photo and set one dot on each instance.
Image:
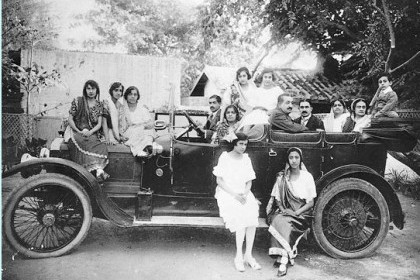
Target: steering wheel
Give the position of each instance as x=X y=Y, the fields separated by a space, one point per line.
x=193 y=125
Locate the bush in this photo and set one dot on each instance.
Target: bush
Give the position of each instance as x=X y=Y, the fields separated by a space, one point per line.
x=400 y=182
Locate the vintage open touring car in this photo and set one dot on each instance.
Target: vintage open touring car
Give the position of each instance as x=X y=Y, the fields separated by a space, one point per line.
x=51 y=212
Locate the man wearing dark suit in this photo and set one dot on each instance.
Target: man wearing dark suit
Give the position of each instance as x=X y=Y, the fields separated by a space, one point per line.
x=306 y=118
x=280 y=118
x=213 y=119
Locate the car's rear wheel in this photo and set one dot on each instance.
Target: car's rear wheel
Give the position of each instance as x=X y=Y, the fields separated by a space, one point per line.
x=48 y=216
x=351 y=219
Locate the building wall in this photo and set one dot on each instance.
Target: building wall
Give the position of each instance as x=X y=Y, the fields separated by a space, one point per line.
x=152 y=75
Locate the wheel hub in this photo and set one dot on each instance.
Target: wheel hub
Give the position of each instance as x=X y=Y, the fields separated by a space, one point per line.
x=349 y=218
x=48 y=219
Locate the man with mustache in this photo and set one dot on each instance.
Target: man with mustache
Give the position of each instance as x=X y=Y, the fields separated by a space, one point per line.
x=213 y=119
x=306 y=118
x=280 y=118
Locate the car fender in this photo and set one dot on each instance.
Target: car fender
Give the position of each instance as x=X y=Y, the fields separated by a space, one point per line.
x=371 y=176
x=100 y=202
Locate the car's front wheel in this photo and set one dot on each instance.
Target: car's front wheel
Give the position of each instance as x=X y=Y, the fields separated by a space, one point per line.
x=49 y=215
x=351 y=219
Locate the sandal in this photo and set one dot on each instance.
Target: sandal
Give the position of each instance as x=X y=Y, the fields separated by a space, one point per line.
x=282 y=270
x=292 y=262
x=239 y=264
x=252 y=263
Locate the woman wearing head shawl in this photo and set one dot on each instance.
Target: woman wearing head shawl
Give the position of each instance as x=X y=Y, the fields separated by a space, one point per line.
x=358 y=119
x=289 y=209
x=335 y=120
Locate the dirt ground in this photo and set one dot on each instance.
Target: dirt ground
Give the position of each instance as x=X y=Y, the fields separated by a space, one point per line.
x=110 y=252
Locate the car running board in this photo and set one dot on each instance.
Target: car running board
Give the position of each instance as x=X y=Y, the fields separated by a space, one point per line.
x=182 y=221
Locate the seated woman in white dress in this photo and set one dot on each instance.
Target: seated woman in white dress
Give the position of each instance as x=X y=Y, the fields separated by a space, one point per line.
x=335 y=120
x=264 y=101
x=237 y=204
x=137 y=124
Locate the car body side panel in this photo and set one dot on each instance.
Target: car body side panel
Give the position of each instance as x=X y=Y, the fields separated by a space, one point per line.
x=104 y=205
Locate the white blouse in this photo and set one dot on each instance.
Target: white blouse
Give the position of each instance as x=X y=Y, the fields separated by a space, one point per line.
x=266 y=98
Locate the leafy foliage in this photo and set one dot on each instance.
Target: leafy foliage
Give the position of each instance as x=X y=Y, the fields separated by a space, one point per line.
x=145 y=27
x=361 y=32
x=221 y=33
x=24 y=24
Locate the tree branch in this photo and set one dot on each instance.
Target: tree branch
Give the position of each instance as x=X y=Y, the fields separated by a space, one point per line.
x=342 y=27
x=406 y=62
x=378 y=9
x=391 y=33
x=267 y=48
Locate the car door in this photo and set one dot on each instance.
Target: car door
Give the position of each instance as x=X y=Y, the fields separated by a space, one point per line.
x=193 y=168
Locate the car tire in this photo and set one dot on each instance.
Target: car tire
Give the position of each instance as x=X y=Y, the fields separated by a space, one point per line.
x=47 y=216
x=351 y=219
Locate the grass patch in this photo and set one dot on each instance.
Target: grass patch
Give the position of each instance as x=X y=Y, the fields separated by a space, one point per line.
x=401 y=183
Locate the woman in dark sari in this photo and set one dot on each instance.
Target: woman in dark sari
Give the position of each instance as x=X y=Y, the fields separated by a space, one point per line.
x=289 y=209
x=85 y=119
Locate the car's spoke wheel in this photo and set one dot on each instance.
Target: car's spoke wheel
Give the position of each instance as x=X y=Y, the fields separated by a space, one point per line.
x=48 y=216
x=351 y=219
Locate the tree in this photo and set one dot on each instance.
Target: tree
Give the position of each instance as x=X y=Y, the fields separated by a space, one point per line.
x=370 y=36
x=24 y=25
x=232 y=32
x=144 y=27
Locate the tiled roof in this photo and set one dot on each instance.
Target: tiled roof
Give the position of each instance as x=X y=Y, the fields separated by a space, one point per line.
x=300 y=84
x=306 y=85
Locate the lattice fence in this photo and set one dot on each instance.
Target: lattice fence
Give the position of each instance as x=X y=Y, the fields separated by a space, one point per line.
x=404 y=114
x=409 y=114
x=20 y=126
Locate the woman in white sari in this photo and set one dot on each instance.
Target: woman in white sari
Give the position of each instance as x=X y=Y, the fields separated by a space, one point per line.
x=335 y=120
x=137 y=124
x=114 y=113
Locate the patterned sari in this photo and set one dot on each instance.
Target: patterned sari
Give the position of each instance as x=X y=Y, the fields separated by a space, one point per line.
x=287 y=230
x=89 y=152
x=224 y=131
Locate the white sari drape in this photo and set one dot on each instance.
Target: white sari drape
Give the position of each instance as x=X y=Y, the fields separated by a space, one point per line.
x=115 y=117
x=332 y=124
x=136 y=130
x=362 y=123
